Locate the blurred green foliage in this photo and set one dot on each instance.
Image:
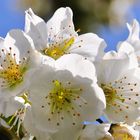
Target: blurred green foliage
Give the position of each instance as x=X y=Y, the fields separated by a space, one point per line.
x=88 y=14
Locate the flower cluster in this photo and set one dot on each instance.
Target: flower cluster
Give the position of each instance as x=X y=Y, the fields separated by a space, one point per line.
x=52 y=80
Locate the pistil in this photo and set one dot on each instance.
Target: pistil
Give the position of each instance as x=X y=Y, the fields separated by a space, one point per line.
x=11 y=72
x=57 y=50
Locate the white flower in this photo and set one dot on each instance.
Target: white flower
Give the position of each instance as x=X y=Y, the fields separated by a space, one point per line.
x=121 y=85
x=118 y=131
x=65 y=96
x=122 y=131
x=131 y=45
x=58 y=37
x=133 y=37
x=17 y=58
x=96 y=132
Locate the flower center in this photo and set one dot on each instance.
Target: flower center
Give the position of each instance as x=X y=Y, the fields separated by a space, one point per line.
x=11 y=72
x=110 y=94
x=61 y=97
x=120 y=132
x=62 y=101
x=123 y=136
x=57 y=50
x=120 y=95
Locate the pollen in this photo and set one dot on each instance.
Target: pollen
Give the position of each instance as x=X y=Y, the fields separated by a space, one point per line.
x=56 y=50
x=11 y=73
x=61 y=97
x=119 y=95
x=121 y=132
x=110 y=94
x=64 y=98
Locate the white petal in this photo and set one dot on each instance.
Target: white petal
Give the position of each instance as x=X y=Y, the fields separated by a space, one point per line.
x=89 y=45
x=111 y=67
x=19 y=42
x=61 y=22
x=134 y=30
x=125 y=47
x=32 y=20
x=1 y=47
x=96 y=101
x=36 y=28
x=28 y=137
x=5 y=49
x=133 y=38
x=30 y=127
x=78 y=65
x=1 y=41
x=23 y=47
x=66 y=133
x=94 y=132
x=9 y=107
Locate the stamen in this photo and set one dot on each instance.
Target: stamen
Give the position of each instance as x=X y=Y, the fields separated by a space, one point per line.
x=62 y=99
x=57 y=50
x=121 y=132
x=11 y=72
x=16 y=120
x=110 y=93
x=119 y=93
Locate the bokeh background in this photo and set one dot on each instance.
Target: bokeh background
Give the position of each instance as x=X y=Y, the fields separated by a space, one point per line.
x=107 y=18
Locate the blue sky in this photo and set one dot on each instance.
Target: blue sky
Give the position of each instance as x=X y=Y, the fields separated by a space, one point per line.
x=11 y=18
x=121 y=33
